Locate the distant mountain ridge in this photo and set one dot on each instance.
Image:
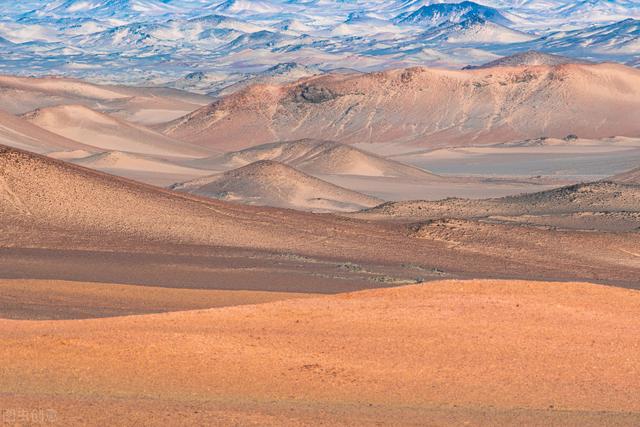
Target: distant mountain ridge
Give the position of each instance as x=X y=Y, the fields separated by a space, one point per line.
x=530 y=58
x=439 y=13
x=158 y=42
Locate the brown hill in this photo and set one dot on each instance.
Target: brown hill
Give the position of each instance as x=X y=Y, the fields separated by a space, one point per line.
x=426 y=107
x=270 y=183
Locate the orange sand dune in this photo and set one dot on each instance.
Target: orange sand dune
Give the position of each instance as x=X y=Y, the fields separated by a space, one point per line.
x=444 y=353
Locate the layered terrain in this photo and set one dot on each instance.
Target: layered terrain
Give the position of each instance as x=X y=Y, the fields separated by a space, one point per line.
x=126 y=303
x=344 y=213
x=61 y=221
x=570 y=158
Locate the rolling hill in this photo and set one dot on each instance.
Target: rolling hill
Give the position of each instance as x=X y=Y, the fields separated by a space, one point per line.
x=21 y=95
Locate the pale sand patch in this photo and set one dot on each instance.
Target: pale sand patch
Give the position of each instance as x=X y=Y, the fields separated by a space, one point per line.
x=444 y=353
x=104 y=132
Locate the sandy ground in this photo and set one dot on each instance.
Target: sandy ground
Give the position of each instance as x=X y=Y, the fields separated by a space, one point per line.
x=57 y=299
x=105 y=132
x=585 y=160
x=444 y=353
x=396 y=189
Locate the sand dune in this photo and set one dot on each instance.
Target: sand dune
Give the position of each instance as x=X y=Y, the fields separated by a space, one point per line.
x=599 y=205
x=495 y=352
x=270 y=183
x=19 y=133
x=465 y=107
x=104 y=132
x=20 y=95
x=63 y=221
x=319 y=157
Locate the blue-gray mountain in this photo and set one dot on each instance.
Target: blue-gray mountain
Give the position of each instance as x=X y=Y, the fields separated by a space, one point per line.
x=162 y=41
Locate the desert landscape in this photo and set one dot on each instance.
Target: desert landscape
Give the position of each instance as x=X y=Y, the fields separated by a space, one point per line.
x=320 y=213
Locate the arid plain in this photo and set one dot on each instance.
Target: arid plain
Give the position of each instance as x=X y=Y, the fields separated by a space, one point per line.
x=409 y=247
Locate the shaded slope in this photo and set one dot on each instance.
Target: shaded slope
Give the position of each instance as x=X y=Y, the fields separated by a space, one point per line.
x=63 y=221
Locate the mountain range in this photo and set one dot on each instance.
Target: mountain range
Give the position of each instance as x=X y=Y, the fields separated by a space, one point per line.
x=162 y=42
